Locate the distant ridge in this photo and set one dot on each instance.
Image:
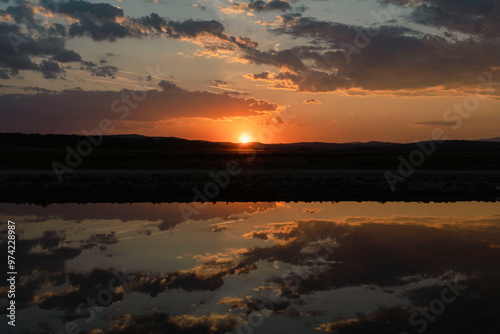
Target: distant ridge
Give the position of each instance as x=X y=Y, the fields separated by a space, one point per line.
x=138 y=142
x=496 y=139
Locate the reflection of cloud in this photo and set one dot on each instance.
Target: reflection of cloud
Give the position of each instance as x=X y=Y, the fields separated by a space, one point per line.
x=212 y=264
x=233 y=302
x=396 y=253
x=100 y=238
x=279 y=232
x=392 y=320
x=164 y=323
x=472 y=311
x=381 y=253
x=225 y=211
x=215 y=323
x=311 y=211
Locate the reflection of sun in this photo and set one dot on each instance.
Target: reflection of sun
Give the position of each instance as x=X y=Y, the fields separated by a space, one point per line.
x=244 y=139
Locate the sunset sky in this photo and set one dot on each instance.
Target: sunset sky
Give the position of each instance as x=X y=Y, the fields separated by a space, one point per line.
x=277 y=71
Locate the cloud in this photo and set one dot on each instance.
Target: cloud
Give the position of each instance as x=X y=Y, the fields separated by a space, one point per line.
x=466 y=16
x=17 y=50
x=114 y=26
x=257 y=6
x=220 y=83
x=4 y=74
x=22 y=11
x=312 y=101
x=50 y=69
x=76 y=109
x=65 y=56
x=79 y=9
x=397 y=58
x=103 y=71
x=99 y=21
x=436 y=123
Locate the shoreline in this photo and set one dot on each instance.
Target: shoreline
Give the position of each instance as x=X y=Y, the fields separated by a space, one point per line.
x=293 y=185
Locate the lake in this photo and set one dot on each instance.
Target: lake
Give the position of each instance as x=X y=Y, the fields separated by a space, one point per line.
x=262 y=267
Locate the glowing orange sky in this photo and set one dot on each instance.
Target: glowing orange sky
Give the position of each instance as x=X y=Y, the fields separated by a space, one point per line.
x=222 y=70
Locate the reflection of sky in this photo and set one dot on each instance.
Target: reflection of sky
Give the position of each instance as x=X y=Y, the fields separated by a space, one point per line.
x=250 y=246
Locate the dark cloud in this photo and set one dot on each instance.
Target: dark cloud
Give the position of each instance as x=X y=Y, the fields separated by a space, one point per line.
x=3 y=74
x=478 y=17
x=57 y=29
x=259 y=6
x=107 y=27
x=99 y=31
x=17 y=51
x=191 y=28
x=312 y=101
x=87 y=64
x=65 y=56
x=100 y=12
x=436 y=123
x=99 y=21
x=260 y=76
x=391 y=58
x=220 y=83
x=397 y=58
x=50 y=69
x=22 y=12
x=76 y=109
x=103 y=71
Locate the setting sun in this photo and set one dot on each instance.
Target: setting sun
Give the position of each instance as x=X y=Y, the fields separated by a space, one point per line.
x=244 y=139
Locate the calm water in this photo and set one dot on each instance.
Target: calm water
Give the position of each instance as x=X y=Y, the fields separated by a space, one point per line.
x=255 y=268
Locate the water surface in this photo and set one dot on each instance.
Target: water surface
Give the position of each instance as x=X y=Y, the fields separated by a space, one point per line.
x=256 y=267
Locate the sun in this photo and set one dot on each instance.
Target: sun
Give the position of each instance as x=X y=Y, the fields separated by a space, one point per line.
x=245 y=139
